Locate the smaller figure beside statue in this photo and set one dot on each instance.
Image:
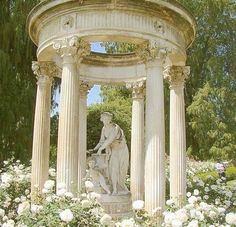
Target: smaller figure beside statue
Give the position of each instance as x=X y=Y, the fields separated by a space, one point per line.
x=95 y=175
x=110 y=169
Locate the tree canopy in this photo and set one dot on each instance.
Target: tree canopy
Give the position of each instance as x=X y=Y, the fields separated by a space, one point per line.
x=17 y=85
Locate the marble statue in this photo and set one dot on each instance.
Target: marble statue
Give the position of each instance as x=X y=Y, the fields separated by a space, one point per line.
x=114 y=143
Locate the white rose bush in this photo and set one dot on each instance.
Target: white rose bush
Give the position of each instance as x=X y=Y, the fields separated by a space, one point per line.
x=210 y=202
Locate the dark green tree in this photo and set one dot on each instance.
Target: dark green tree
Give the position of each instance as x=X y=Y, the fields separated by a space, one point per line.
x=211 y=88
x=17 y=84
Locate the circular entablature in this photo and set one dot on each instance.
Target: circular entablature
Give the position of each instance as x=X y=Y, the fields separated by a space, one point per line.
x=107 y=20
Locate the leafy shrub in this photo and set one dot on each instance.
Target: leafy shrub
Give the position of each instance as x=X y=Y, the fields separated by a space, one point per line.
x=230 y=174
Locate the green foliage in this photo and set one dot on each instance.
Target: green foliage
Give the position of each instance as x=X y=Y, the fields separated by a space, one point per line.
x=48 y=215
x=212 y=123
x=17 y=84
x=118 y=47
x=230 y=174
x=211 y=88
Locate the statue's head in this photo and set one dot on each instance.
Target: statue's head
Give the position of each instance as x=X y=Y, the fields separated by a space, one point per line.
x=106 y=117
x=91 y=162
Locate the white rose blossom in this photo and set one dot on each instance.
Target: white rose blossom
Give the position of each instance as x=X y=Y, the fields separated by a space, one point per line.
x=89 y=184
x=196 y=192
x=192 y=199
x=9 y=223
x=169 y=217
x=23 y=207
x=127 y=223
x=189 y=194
x=106 y=220
x=193 y=223
x=66 y=216
x=69 y=195
x=181 y=215
x=85 y=203
x=49 y=184
x=61 y=186
x=35 y=208
x=138 y=205
x=6 y=178
x=2 y=212
x=176 y=223
x=61 y=192
x=170 y=202
x=94 y=195
x=231 y=218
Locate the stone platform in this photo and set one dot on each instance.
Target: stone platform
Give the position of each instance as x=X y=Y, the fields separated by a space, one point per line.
x=117 y=206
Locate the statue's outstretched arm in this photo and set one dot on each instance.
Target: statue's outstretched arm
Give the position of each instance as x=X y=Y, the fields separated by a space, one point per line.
x=110 y=138
x=101 y=141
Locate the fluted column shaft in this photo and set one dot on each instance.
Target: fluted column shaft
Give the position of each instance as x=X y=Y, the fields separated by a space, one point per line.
x=70 y=49
x=67 y=156
x=155 y=139
x=176 y=76
x=41 y=136
x=84 y=87
x=137 y=141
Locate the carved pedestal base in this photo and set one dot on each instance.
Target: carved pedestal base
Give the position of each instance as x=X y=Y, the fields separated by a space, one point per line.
x=117 y=206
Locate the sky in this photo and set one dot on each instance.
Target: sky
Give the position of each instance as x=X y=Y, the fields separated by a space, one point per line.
x=93 y=96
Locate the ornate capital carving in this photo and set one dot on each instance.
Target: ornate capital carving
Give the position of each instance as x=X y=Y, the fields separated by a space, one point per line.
x=72 y=47
x=138 y=89
x=44 y=71
x=152 y=50
x=85 y=87
x=176 y=75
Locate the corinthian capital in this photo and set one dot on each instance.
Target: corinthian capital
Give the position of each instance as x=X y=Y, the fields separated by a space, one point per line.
x=176 y=75
x=151 y=50
x=44 y=71
x=72 y=46
x=138 y=88
x=85 y=87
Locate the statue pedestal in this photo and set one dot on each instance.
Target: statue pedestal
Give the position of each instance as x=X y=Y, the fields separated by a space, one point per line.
x=117 y=206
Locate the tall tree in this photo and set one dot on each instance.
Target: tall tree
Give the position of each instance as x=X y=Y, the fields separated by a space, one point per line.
x=211 y=88
x=17 y=84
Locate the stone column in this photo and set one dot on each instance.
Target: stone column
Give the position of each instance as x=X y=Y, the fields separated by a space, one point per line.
x=137 y=141
x=70 y=49
x=44 y=72
x=84 y=88
x=176 y=76
x=155 y=131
